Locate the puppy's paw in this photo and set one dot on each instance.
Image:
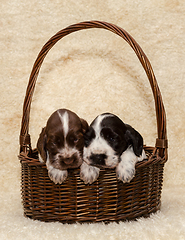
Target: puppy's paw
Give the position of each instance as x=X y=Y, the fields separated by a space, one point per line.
x=125 y=173
x=89 y=174
x=57 y=176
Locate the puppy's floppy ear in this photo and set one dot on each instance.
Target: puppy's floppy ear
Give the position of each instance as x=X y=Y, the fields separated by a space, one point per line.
x=84 y=125
x=41 y=144
x=135 y=139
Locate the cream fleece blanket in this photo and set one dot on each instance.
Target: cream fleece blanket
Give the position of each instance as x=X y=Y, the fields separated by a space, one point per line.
x=90 y=72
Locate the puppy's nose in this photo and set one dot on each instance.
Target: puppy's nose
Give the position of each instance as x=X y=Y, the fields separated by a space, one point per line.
x=98 y=159
x=68 y=160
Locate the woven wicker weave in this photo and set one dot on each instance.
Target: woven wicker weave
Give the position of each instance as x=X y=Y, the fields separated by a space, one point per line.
x=107 y=199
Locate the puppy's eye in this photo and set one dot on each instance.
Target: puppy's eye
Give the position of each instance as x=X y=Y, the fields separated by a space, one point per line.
x=86 y=142
x=89 y=136
x=53 y=144
x=74 y=139
x=56 y=141
x=111 y=139
x=108 y=135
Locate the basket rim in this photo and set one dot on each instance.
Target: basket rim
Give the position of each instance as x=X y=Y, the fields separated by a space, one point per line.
x=151 y=152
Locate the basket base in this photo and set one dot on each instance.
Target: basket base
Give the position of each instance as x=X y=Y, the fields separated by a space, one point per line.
x=105 y=221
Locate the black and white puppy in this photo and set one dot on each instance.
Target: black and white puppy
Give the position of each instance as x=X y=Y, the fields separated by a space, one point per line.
x=61 y=143
x=110 y=143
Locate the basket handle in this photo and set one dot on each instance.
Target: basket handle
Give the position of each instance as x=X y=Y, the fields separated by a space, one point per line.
x=161 y=141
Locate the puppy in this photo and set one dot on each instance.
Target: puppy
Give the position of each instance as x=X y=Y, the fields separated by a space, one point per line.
x=110 y=143
x=61 y=143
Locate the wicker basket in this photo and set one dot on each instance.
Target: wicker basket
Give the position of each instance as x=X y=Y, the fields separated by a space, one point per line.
x=107 y=199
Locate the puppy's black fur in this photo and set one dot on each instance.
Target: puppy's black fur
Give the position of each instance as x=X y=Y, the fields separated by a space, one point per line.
x=117 y=134
x=110 y=143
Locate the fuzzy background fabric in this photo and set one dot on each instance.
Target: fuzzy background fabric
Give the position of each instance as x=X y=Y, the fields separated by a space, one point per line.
x=90 y=72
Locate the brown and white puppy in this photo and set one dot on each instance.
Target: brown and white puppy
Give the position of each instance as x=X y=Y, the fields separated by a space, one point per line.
x=61 y=143
x=110 y=143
